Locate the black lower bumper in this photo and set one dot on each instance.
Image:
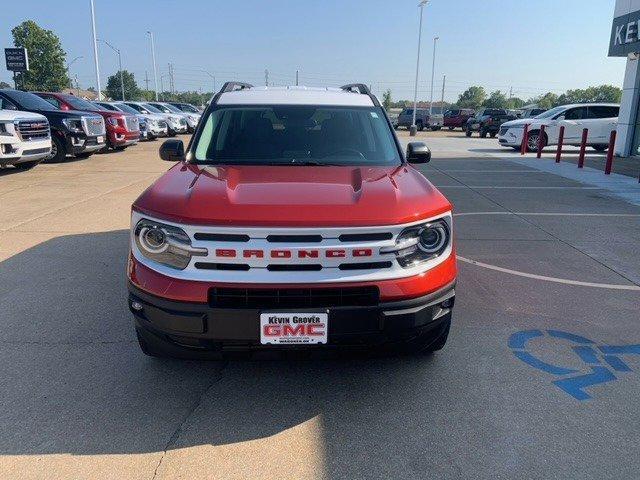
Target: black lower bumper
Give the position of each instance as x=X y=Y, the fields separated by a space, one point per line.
x=203 y=326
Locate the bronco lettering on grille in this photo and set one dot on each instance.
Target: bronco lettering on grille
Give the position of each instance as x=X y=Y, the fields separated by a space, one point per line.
x=281 y=253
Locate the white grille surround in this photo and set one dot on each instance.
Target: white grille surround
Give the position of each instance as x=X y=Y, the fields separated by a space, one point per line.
x=259 y=271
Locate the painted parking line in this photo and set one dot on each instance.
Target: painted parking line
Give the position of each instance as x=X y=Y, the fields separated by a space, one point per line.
x=565 y=281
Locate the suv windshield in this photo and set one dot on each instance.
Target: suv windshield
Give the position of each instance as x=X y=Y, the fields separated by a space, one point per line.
x=29 y=101
x=187 y=108
x=551 y=113
x=151 y=108
x=78 y=103
x=123 y=107
x=172 y=108
x=297 y=135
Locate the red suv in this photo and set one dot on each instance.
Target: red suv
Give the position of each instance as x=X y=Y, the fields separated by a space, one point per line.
x=457 y=118
x=293 y=219
x=122 y=129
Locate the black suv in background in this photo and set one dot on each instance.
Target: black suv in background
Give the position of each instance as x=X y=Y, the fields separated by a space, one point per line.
x=72 y=133
x=488 y=121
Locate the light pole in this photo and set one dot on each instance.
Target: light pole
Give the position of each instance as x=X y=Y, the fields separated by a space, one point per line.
x=155 y=70
x=71 y=63
x=117 y=50
x=412 y=130
x=95 y=50
x=433 y=71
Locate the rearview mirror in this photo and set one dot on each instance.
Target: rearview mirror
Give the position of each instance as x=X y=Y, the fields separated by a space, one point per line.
x=172 y=150
x=418 y=152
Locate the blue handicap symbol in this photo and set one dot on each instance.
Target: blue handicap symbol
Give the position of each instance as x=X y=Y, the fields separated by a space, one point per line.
x=601 y=361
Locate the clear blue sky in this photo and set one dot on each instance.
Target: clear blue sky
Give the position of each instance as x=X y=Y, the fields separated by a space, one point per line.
x=495 y=43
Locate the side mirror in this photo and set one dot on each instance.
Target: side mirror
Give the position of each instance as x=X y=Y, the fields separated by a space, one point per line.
x=172 y=150
x=418 y=152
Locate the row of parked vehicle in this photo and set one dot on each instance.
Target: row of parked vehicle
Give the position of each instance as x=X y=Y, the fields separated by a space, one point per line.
x=39 y=126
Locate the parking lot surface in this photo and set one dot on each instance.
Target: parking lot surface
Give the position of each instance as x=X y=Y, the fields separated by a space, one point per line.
x=540 y=378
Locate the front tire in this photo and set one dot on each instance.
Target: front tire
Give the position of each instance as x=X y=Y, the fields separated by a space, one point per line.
x=483 y=133
x=58 y=151
x=420 y=126
x=452 y=128
x=532 y=141
x=468 y=132
x=84 y=155
x=600 y=148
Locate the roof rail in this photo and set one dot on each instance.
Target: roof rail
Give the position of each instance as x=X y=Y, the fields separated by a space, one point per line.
x=233 y=86
x=357 y=88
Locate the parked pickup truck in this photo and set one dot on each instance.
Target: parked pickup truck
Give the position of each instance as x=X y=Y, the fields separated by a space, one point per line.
x=423 y=119
x=122 y=128
x=487 y=121
x=25 y=138
x=457 y=117
x=292 y=220
x=72 y=133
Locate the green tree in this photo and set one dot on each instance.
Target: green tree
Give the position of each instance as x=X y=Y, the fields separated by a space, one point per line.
x=114 y=89
x=386 y=99
x=602 y=93
x=497 y=99
x=47 y=70
x=4 y=85
x=472 y=97
x=546 y=101
x=515 y=102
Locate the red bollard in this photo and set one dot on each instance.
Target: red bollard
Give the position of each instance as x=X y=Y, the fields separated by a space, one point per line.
x=540 y=141
x=612 y=144
x=583 y=147
x=560 y=140
x=525 y=140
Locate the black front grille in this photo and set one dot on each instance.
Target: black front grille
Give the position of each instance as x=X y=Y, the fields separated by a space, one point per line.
x=268 y=298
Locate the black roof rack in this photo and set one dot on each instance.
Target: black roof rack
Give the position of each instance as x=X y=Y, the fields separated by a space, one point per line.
x=357 y=88
x=233 y=86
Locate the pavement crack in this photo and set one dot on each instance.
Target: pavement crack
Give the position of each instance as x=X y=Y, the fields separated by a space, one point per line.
x=194 y=406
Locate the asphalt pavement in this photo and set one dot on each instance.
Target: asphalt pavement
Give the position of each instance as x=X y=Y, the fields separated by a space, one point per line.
x=540 y=378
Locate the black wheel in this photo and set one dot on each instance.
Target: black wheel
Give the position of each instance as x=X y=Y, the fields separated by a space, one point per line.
x=58 y=151
x=26 y=165
x=429 y=342
x=468 y=132
x=120 y=148
x=600 y=148
x=483 y=133
x=532 y=141
x=435 y=129
x=493 y=134
x=84 y=154
x=171 y=132
x=452 y=128
x=419 y=126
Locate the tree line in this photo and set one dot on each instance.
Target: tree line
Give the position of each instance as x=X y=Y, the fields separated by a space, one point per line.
x=476 y=97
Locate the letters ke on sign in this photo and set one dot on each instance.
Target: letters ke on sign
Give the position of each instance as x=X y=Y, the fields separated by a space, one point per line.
x=624 y=35
x=17 y=59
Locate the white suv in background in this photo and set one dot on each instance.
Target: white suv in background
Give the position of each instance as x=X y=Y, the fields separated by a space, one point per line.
x=25 y=139
x=599 y=118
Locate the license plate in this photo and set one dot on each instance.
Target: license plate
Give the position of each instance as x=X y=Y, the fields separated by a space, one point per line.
x=100 y=139
x=293 y=328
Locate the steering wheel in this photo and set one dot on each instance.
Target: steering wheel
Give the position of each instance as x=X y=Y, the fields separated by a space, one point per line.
x=347 y=151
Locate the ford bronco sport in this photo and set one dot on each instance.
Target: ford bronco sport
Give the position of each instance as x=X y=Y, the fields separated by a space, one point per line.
x=293 y=219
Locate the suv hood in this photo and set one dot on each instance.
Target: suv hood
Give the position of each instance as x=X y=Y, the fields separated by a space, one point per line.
x=19 y=114
x=302 y=196
x=522 y=122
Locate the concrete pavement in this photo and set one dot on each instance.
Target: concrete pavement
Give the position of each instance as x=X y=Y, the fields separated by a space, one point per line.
x=504 y=399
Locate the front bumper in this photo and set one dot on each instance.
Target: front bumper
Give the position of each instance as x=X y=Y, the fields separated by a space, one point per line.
x=123 y=138
x=13 y=150
x=202 y=326
x=512 y=137
x=79 y=143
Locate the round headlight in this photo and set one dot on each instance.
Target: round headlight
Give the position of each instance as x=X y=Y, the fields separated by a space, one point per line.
x=154 y=240
x=433 y=238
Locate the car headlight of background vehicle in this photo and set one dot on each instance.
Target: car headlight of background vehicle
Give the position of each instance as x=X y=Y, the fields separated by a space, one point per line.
x=73 y=124
x=165 y=244
x=420 y=243
x=6 y=129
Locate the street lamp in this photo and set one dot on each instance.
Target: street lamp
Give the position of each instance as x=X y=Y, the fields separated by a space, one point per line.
x=153 y=56
x=95 y=49
x=117 y=50
x=69 y=67
x=412 y=130
x=433 y=71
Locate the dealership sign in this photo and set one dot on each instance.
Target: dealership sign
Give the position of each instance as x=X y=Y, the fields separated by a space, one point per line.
x=17 y=59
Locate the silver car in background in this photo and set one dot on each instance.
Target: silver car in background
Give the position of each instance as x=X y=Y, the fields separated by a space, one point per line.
x=175 y=123
x=191 y=118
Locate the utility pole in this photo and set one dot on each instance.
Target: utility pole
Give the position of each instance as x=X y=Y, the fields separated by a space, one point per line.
x=171 y=81
x=95 y=49
x=444 y=80
x=266 y=78
x=412 y=130
x=510 y=93
x=117 y=50
x=153 y=56
x=146 y=81
x=297 y=78
x=433 y=71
